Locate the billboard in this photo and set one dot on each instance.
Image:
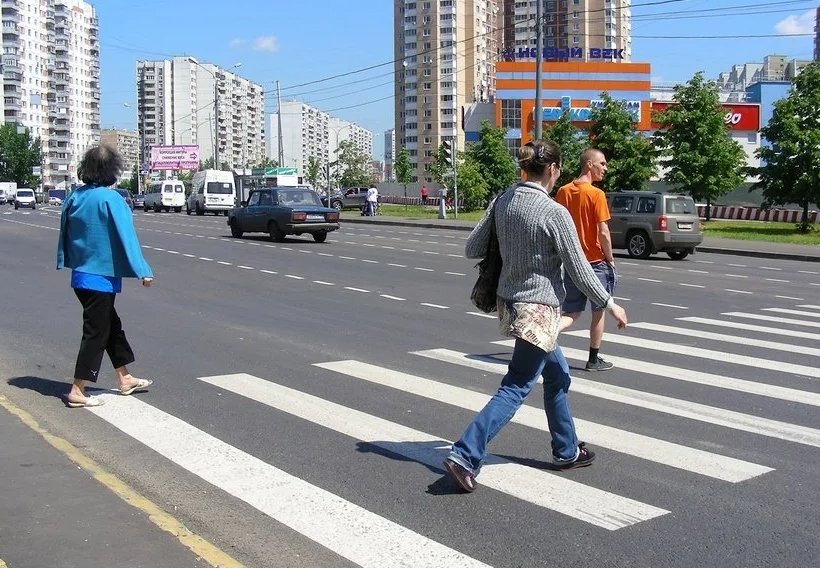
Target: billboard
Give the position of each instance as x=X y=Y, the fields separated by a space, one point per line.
x=737 y=116
x=174 y=157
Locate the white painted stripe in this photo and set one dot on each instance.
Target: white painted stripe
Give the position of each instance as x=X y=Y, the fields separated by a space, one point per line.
x=751 y=327
x=692 y=285
x=701 y=378
x=722 y=356
x=787 y=347
x=623 y=299
x=393 y=297
x=293 y=276
x=650 y=280
x=424 y=269
x=172 y=252
x=737 y=291
x=773 y=319
x=651 y=449
x=737 y=265
x=661 y=267
x=792 y=312
x=809 y=306
x=357 y=289
x=435 y=306
x=769 y=268
x=698 y=271
x=189 y=255
x=343 y=527
x=285 y=248
x=683 y=408
x=324 y=254
x=206 y=258
x=455 y=273
x=370 y=261
x=347 y=257
x=789 y=298
x=246 y=267
x=323 y=283
x=223 y=262
x=157 y=248
x=595 y=506
x=398 y=265
x=669 y=306
x=479 y=314
x=777 y=280
x=808 y=272
x=735 y=276
x=268 y=271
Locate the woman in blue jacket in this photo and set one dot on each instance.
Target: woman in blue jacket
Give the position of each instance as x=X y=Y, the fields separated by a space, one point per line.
x=99 y=243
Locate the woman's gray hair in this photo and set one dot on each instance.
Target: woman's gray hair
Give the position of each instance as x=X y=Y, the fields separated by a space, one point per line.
x=100 y=166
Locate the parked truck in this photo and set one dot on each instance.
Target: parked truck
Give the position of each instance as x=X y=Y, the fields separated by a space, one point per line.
x=7 y=191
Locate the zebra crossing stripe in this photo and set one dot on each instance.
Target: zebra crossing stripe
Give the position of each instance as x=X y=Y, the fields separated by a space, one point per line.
x=773 y=319
x=708 y=379
x=645 y=447
x=792 y=312
x=722 y=356
x=809 y=306
x=343 y=527
x=752 y=327
x=787 y=347
x=542 y=488
x=665 y=404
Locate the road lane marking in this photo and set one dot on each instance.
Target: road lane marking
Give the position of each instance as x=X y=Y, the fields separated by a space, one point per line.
x=692 y=285
x=294 y=277
x=698 y=271
x=397 y=265
x=435 y=306
x=668 y=306
x=709 y=354
x=189 y=255
x=542 y=488
x=777 y=280
x=809 y=306
x=651 y=280
x=737 y=291
x=341 y=526
x=792 y=312
x=773 y=319
x=346 y=257
x=423 y=269
x=769 y=268
x=455 y=273
x=246 y=267
x=155 y=514
x=323 y=283
x=370 y=261
x=737 y=265
x=224 y=263
x=808 y=272
x=751 y=327
x=352 y=289
x=393 y=297
x=765 y=344
x=735 y=276
x=789 y=298
x=479 y=314
x=206 y=258
x=645 y=447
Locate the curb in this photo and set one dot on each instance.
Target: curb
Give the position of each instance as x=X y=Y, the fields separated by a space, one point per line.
x=708 y=249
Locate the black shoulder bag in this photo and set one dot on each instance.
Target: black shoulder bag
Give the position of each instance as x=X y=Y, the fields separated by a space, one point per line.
x=489 y=270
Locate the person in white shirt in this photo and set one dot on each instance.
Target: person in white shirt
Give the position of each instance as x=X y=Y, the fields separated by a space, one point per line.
x=371 y=200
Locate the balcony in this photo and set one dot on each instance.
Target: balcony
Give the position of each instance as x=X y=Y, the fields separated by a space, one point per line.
x=12 y=103
x=10 y=16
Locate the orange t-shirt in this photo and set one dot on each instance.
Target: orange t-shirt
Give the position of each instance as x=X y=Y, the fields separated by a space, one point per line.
x=587 y=206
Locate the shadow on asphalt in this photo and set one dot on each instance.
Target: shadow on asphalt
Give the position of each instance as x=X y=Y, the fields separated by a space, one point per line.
x=404 y=450
x=46 y=387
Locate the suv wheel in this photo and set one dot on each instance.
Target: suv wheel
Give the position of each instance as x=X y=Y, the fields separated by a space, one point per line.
x=637 y=244
x=235 y=232
x=276 y=235
x=337 y=205
x=678 y=254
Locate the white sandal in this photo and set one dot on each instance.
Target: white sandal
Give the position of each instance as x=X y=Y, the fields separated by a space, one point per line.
x=141 y=384
x=89 y=401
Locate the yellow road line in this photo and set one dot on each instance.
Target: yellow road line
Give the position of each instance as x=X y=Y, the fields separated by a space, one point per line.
x=199 y=546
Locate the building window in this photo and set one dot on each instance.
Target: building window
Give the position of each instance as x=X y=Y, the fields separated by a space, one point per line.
x=510 y=113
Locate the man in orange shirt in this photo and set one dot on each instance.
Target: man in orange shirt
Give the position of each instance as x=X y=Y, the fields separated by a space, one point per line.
x=590 y=212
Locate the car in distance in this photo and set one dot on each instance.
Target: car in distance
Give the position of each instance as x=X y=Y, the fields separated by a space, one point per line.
x=138 y=200
x=127 y=196
x=646 y=223
x=25 y=198
x=348 y=198
x=282 y=211
x=54 y=200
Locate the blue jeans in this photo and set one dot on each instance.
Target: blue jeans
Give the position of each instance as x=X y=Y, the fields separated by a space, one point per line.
x=527 y=364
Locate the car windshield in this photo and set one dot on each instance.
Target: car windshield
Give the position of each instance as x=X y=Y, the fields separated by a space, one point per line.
x=122 y=192
x=298 y=198
x=24 y=193
x=680 y=206
x=223 y=188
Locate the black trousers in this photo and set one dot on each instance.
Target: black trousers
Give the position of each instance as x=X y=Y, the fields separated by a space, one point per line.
x=102 y=332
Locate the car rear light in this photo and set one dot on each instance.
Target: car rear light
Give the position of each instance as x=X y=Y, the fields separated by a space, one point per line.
x=662 y=223
x=298 y=216
x=332 y=217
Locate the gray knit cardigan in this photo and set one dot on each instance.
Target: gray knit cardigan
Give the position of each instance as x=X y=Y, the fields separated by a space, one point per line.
x=536 y=237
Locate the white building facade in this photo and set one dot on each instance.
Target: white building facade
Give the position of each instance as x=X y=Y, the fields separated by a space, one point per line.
x=389 y=154
x=178 y=105
x=51 y=80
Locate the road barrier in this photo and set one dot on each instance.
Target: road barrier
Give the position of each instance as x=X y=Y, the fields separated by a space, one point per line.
x=757 y=214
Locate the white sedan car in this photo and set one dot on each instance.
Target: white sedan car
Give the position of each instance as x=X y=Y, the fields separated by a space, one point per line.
x=55 y=201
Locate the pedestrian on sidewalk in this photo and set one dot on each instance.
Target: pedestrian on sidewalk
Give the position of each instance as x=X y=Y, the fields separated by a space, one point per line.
x=371 y=201
x=536 y=238
x=425 y=193
x=99 y=243
x=589 y=210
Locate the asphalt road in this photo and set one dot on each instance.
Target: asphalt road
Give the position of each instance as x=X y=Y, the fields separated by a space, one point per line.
x=305 y=395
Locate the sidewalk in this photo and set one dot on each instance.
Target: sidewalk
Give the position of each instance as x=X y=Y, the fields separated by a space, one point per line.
x=761 y=249
x=54 y=513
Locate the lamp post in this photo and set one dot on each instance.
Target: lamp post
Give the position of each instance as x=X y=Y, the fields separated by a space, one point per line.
x=337 y=131
x=216 y=105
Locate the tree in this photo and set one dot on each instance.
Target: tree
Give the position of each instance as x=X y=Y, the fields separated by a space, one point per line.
x=629 y=155
x=701 y=159
x=354 y=164
x=490 y=157
x=403 y=168
x=18 y=155
x=472 y=187
x=313 y=171
x=267 y=163
x=440 y=169
x=207 y=164
x=572 y=143
x=790 y=170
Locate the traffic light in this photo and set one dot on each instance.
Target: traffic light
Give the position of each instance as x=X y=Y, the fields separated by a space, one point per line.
x=447 y=152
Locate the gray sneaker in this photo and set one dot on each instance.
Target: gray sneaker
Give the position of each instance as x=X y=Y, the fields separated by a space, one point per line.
x=599 y=365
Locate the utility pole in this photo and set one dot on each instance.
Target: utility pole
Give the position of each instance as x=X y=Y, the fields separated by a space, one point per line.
x=539 y=60
x=279 y=121
x=455 y=178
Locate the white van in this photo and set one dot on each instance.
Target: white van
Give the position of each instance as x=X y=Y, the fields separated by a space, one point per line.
x=164 y=195
x=212 y=191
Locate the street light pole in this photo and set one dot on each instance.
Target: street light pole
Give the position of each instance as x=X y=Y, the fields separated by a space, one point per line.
x=539 y=61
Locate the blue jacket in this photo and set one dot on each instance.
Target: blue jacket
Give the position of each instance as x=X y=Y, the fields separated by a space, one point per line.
x=97 y=235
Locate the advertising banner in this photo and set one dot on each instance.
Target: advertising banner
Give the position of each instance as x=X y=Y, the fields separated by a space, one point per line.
x=737 y=116
x=174 y=157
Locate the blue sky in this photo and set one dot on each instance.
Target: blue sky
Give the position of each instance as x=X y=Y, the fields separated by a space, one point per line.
x=297 y=42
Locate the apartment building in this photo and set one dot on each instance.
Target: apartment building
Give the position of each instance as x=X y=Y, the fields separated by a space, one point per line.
x=183 y=101
x=733 y=84
x=389 y=154
x=581 y=24
x=127 y=143
x=50 y=80
x=308 y=132
x=445 y=53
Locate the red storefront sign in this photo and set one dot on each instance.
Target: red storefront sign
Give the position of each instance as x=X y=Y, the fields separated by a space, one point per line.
x=737 y=116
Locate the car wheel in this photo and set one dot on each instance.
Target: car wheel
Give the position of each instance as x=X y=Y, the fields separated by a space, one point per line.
x=16 y=206
x=276 y=234
x=33 y=206
x=187 y=209
x=337 y=205
x=145 y=207
x=177 y=209
x=678 y=254
x=637 y=245
x=235 y=232
x=320 y=237
x=199 y=210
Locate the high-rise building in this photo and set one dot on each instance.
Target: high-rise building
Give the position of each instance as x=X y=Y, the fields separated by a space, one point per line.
x=127 y=143
x=817 y=35
x=389 y=154
x=308 y=132
x=584 y=24
x=51 y=80
x=445 y=53
x=179 y=104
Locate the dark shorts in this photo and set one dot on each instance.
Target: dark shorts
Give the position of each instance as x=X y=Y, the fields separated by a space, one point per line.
x=575 y=300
